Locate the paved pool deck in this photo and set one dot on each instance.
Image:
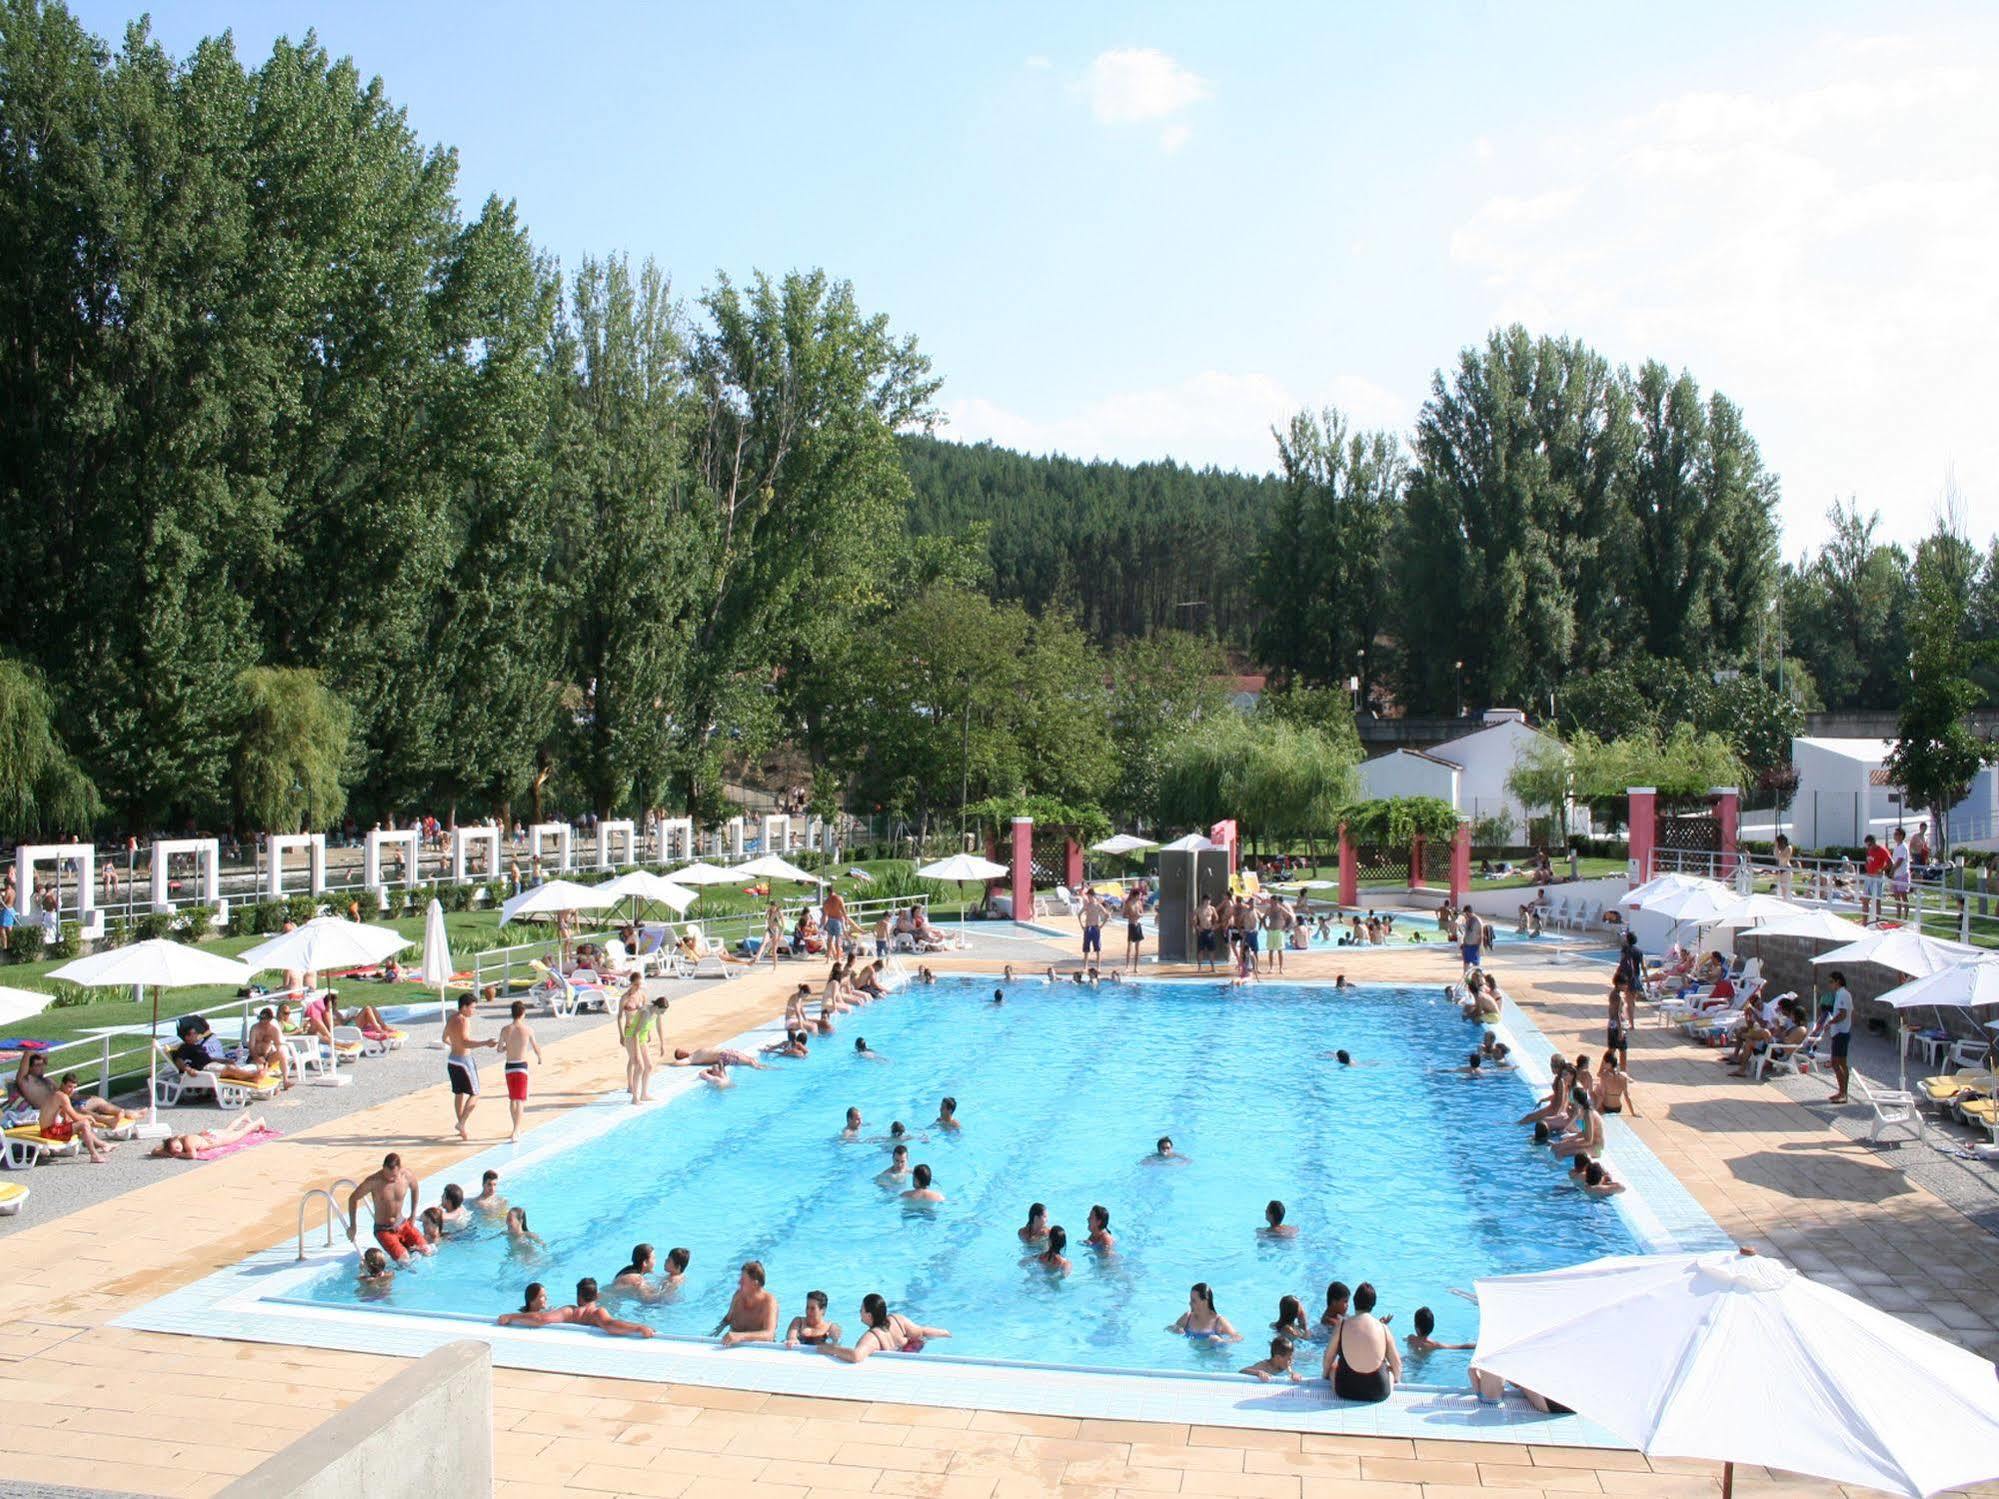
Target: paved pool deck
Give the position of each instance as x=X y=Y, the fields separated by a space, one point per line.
x=91 y=1404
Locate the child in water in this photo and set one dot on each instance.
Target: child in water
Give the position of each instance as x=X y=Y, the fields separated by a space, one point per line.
x=1277 y=1366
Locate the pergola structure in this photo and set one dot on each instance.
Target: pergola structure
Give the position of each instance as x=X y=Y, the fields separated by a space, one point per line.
x=732 y=837
x=676 y=838
x=280 y=844
x=208 y=869
x=564 y=836
x=622 y=827
x=371 y=855
x=28 y=855
x=776 y=833
x=463 y=841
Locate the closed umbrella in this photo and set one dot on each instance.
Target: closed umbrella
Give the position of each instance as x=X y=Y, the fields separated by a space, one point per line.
x=436 y=968
x=154 y=964
x=1743 y=1360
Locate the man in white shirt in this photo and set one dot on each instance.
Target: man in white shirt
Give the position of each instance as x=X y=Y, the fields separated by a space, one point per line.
x=1836 y=1023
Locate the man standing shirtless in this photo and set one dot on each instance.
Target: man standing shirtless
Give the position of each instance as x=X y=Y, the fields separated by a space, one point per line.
x=460 y=1066
x=1134 y=932
x=392 y=1192
x=752 y=1313
x=516 y=1041
x=1093 y=914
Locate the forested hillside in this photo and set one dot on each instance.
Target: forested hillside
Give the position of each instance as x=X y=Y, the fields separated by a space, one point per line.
x=1131 y=549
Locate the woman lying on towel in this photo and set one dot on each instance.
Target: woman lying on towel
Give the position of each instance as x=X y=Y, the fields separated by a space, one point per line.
x=192 y=1147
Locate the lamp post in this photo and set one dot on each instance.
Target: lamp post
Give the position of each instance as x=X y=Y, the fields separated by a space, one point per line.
x=1458 y=680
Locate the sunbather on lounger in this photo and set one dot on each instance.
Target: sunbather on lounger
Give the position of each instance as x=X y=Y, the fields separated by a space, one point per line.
x=56 y=1117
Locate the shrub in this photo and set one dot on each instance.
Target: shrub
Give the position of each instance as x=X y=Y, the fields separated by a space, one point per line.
x=152 y=925
x=459 y=897
x=69 y=941
x=194 y=924
x=26 y=944
x=69 y=996
x=298 y=908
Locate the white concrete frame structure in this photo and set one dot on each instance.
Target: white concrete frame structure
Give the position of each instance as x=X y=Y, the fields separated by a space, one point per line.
x=208 y=864
x=776 y=833
x=371 y=855
x=676 y=838
x=815 y=831
x=732 y=837
x=28 y=855
x=613 y=827
x=280 y=844
x=462 y=841
x=565 y=838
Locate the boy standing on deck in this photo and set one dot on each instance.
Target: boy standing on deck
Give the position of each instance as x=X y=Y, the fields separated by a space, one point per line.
x=516 y=1041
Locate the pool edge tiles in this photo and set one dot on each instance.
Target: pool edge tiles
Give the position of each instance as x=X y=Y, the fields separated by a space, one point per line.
x=258 y=1300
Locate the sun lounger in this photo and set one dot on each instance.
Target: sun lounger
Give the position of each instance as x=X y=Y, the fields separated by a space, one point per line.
x=12 y=1195
x=173 y=1085
x=28 y=1146
x=709 y=960
x=1942 y=1090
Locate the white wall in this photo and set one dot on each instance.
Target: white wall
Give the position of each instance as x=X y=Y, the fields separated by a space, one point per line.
x=1488 y=757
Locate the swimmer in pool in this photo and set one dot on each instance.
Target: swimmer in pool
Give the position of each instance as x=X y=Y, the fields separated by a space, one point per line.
x=793 y=1045
x=999 y=996
x=1424 y=1338
x=1277 y=1366
x=1164 y=1154
x=865 y=1052
x=920 y=1189
x=717 y=1076
x=1201 y=1320
x=519 y=1235
x=1290 y=1321
x=727 y=1056
x=813 y=1330
x=1344 y=1058
x=636 y=1279
x=884 y=1332
x=853 y=1130
x=1052 y=1259
x=1274 y=1226
x=947 y=1114
x=489 y=1201
x=1338 y=1298
x=1101 y=1238
x=1006 y=972
x=377 y=1274
x=898 y=1168
x=1036 y=1228
x=1597 y=1180
x=1474 y=1066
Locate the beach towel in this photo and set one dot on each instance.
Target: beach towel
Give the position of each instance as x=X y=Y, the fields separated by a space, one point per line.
x=255 y=1137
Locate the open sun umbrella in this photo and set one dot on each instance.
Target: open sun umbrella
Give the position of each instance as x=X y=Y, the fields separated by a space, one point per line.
x=962 y=868
x=1745 y=1361
x=771 y=867
x=641 y=886
x=1819 y=924
x=1658 y=885
x=1969 y=985
x=1188 y=844
x=705 y=874
x=1122 y=843
x=154 y=964
x=553 y=896
x=1901 y=948
x=326 y=944
x=1753 y=910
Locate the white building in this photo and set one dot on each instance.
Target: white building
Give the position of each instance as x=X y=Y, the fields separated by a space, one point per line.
x=1845 y=792
x=1408 y=772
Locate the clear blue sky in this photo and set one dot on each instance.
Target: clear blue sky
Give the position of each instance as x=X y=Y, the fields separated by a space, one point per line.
x=1147 y=230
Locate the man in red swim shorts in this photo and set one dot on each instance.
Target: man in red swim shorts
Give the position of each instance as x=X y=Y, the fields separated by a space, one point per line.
x=516 y=1041
x=392 y=1192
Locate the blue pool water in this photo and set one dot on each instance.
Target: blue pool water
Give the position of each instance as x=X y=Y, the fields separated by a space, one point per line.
x=1395 y=1171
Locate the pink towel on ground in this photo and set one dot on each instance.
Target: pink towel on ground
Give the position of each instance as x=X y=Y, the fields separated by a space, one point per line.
x=255 y=1137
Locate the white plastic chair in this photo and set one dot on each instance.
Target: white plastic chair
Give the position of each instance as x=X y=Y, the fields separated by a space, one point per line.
x=1893 y=1109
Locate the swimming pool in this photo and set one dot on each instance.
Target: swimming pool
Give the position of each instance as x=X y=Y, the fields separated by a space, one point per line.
x=1395 y=1170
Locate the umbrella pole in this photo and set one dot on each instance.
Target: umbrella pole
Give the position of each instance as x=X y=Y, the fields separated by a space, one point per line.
x=1728 y=1481
x=152 y=1129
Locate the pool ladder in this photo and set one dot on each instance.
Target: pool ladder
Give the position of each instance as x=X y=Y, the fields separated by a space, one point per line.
x=332 y=1210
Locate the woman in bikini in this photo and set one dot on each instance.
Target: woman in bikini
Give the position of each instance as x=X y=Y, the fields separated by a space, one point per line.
x=812 y=1330
x=190 y=1147
x=635 y=1018
x=1201 y=1320
x=1362 y=1360
x=885 y=1332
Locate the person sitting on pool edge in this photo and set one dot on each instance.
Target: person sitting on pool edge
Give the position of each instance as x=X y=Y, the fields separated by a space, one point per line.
x=885 y=1332
x=1278 y=1365
x=1274 y=1226
x=812 y=1330
x=920 y=1189
x=585 y=1311
x=1362 y=1360
x=752 y=1313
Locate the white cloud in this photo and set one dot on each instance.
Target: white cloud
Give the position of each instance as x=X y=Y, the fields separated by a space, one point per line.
x=1819 y=250
x=1214 y=417
x=1039 y=62
x=1142 y=85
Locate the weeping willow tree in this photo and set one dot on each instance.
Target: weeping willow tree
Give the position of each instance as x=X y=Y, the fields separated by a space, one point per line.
x=1281 y=782
x=1682 y=766
x=43 y=791
x=292 y=756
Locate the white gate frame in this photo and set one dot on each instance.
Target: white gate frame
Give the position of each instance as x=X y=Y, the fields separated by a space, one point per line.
x=208 y=863
x=776 y=833
x=622 y=825
x=28 y=855
x=732 y=837
x=280 y=844
x=565 y=838
x=371 y=855
x=462 y=840
x=676 y=839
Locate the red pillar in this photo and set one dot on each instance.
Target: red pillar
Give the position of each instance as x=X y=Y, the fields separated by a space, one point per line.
x=1461 y=865
x=1349 y=871
x=1644 y=822
x=1728 y=821
x=1023 y=869
x=1416 y=848
x=1072 y=865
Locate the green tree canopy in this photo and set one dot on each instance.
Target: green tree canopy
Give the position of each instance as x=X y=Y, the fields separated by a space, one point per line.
x=1936 y=755
x=43 y=791
x=292 y=750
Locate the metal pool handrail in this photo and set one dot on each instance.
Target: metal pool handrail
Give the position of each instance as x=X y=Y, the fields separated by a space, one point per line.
x=332 y=1210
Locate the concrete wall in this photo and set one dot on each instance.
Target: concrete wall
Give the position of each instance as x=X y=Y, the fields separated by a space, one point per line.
x=428 y=1431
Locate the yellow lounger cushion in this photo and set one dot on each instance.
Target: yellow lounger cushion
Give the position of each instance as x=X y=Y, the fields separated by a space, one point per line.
x=12 y=1195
